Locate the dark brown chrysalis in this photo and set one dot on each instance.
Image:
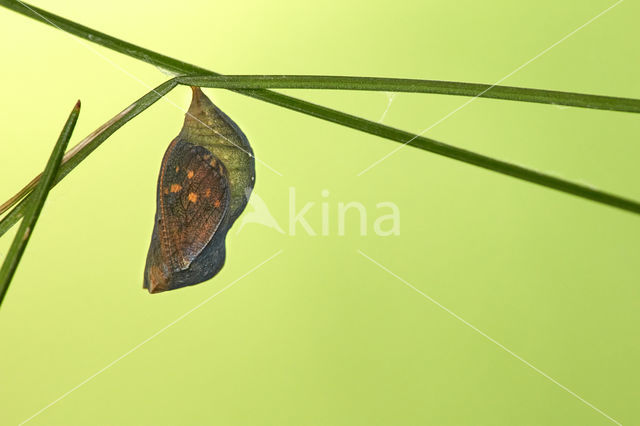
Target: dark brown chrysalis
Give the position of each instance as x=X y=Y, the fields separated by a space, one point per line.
x=206 y=177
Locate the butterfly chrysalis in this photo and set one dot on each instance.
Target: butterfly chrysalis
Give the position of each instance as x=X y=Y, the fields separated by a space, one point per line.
x=206 y=177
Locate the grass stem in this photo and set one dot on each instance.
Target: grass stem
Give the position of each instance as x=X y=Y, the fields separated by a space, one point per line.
x=414 y=86
x=40 y=193
x=357 y=123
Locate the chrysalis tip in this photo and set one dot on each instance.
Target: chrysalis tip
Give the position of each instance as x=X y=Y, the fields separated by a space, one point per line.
x=200 y=110
x=198 y=96
x=77 y=107
x=153 y=289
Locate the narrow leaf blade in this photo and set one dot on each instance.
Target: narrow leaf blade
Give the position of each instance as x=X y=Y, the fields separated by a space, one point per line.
x=81 y=151
x=407 y=85
x=40 y=194
x=324 y=113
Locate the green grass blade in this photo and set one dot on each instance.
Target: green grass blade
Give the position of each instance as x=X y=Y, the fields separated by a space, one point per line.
x=84 y=148
x=39 y=196
x=413 y=86
x=460 y=154
x=129 y=49
x=326 y=82
x=179 y=67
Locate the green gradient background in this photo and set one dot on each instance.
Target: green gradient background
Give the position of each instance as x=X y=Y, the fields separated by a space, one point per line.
x=320 y=335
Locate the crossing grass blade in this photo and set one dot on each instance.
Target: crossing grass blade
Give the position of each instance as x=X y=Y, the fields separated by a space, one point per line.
x=81 y=151
x=408 y=85
x=183 y=69
x=40 y=194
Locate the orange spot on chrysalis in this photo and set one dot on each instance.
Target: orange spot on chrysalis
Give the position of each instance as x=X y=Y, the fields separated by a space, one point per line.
x=213 y=163
x=193 y=197
x=208 y=192
x=217 y=203
x=175 y=187
x=177 y=169
x=190 y=174
x=166 y=190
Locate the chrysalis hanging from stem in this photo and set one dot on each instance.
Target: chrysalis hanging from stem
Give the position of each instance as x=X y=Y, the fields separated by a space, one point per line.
x=206 y=177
